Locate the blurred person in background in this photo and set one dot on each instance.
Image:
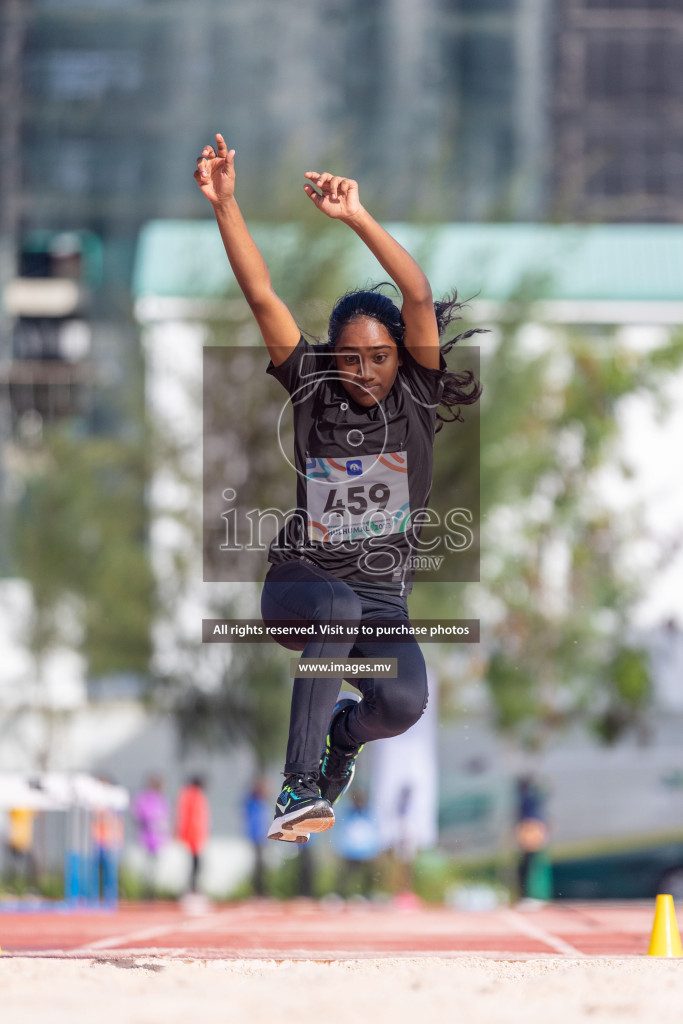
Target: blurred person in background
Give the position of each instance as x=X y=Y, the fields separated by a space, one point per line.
x=358 y=847
x=305 y=873
x=19 y=846
x=152 y=815
x=404 y=851
x=106 y=833
x=534 y=873
x=192 y=824
x=256 y=820
x=369 y=396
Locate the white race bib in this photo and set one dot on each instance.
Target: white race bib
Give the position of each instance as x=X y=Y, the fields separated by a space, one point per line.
x=357 y=497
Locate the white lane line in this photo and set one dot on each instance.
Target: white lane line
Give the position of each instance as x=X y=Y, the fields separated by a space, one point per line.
x=534 y=931
x=123 y=940
x=200 y=923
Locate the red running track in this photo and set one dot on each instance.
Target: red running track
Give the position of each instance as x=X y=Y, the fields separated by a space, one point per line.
x=309 y=930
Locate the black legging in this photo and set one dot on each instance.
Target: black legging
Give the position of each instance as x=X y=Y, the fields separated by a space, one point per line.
x=194 y=871
x=302 y=593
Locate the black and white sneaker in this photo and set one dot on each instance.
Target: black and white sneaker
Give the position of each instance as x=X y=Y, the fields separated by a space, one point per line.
x=300 y=810
x=337 y=766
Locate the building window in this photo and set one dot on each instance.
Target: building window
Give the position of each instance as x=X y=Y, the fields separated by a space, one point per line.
x=620 y=69
x=92 y=74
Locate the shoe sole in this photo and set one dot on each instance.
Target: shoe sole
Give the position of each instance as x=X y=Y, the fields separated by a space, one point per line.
x=296 y=827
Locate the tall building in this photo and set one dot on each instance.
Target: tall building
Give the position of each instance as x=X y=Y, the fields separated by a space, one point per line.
x=445 y=110
x=618 y=90
x=448 y=110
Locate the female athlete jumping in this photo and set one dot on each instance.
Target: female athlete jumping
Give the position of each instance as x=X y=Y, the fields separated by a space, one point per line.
x=365 y=414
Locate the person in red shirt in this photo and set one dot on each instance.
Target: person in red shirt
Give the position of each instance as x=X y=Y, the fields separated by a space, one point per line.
x=192 y=818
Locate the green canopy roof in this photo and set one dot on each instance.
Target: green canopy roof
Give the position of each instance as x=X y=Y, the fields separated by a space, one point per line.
x=492 y=261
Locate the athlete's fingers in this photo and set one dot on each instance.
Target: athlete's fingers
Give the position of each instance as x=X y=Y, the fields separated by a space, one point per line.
x=221 y=145
x=202 y=172
x=312 y=194
x=313 y=175
x=227 y=163
x=334 y=186
x=204 y=163
x=324 y=180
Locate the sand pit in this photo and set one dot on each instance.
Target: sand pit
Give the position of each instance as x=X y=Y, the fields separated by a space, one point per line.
x=153 y=990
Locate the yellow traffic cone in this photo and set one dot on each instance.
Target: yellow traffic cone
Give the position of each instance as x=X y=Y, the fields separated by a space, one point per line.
x=665 y=939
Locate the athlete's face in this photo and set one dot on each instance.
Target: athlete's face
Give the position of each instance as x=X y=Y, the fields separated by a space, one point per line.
x=367 y=360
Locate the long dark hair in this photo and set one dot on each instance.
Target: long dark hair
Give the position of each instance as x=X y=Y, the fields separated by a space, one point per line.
x=458 y=388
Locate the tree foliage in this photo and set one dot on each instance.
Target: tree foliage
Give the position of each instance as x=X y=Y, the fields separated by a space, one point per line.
x=558 y=585
x=557 y=588
x=79 y=538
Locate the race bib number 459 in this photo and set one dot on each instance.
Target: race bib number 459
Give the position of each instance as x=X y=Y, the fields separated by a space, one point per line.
x=354 y=498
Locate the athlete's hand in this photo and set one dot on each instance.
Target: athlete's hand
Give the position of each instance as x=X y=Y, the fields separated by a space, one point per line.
x=215 y=172
x=339 y=198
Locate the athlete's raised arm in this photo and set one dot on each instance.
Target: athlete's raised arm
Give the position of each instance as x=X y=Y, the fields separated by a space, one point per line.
x=338 y=198
x=215 y=176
